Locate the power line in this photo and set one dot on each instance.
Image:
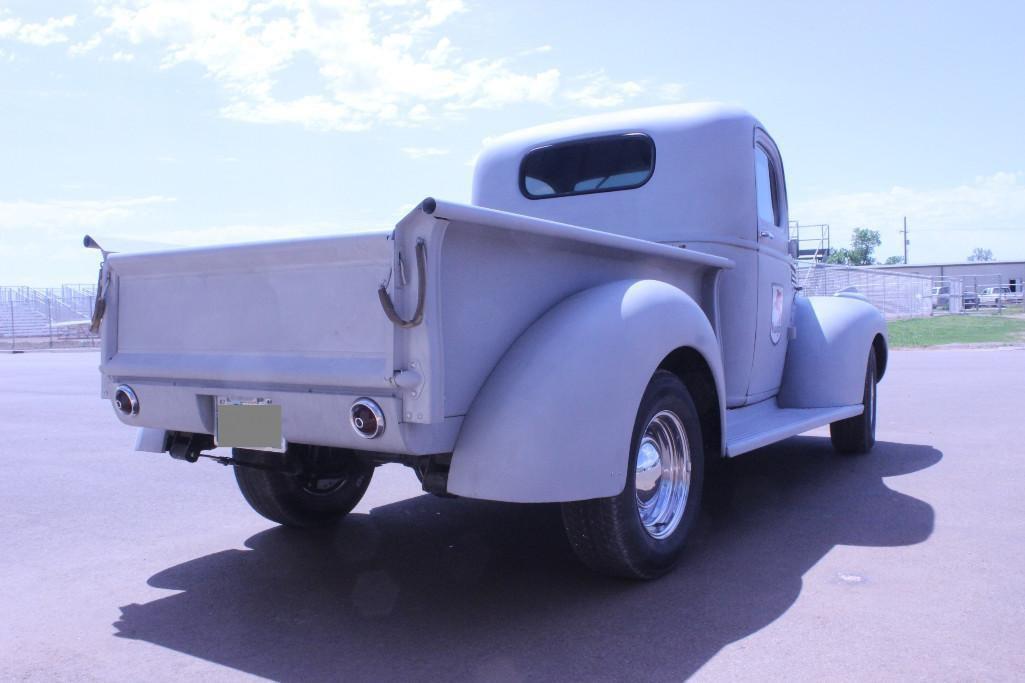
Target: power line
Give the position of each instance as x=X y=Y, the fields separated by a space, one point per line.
x=971 y=230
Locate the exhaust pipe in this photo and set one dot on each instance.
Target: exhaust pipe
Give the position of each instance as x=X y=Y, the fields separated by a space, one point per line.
x=366 y=418
x=125 y=401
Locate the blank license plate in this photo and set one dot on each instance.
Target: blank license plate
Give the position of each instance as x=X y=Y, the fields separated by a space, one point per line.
x=248 y=424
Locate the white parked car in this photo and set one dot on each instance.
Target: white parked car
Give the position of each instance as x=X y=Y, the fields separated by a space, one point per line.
x=994 y=296
x=611 y=316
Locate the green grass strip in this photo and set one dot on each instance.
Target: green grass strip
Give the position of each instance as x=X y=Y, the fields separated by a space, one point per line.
x=955 y=329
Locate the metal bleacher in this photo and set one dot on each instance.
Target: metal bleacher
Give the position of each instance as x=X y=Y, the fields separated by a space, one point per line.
x=45 y=313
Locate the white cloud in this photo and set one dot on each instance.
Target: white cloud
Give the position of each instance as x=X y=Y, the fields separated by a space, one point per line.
x=424 y=152
x=671 y=92
x=374 y=61
x=437 y=11
x=86 y=46
x=245 y=232
x=472 y=161
x=39 y=34
x=539 y=50
x=597 y=91
x=371 y=61
x=20 y=216
x=41 y=241
x=944 y=223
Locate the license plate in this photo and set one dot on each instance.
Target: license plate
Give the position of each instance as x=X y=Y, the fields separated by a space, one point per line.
x=252 y=423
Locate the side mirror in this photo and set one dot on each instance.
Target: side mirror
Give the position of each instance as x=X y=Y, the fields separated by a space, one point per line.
x=793 y=249
x=89 y=243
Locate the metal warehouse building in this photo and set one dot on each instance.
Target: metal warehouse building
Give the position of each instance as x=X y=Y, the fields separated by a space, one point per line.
x=974 y=275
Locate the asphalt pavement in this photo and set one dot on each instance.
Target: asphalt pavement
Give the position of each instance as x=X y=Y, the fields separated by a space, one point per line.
x=908 y=563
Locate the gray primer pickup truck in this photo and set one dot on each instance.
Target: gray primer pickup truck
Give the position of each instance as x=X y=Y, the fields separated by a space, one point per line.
x=613 y=315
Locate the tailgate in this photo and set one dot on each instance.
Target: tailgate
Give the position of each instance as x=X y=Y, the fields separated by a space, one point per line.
x=302 y=312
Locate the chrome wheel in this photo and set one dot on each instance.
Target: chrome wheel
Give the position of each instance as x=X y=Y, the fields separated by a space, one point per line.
x=641 y=532
x=662 y=474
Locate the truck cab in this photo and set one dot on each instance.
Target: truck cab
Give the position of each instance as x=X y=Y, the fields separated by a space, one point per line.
x=702 y=177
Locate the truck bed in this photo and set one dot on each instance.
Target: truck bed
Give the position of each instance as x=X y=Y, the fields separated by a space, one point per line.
x=300 y=322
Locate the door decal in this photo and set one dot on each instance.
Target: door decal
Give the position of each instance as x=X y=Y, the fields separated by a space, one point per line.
x=776 y=328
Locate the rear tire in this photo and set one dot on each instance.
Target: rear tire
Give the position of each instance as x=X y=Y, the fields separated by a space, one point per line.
x=297 y=500
x=857 y=435
x=640 y=533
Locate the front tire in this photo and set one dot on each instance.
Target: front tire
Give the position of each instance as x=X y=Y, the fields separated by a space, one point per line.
x=857 y=435
x=641 y=533
x=300 y=500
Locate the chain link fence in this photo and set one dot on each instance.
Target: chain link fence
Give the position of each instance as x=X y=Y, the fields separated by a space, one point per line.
x=897 y=295
x=39 y=318
x=978 y=292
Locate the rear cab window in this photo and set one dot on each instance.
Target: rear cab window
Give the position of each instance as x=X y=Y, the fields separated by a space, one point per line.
x=603 y=164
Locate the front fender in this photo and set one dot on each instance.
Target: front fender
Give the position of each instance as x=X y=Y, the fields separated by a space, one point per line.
x=554 y=420
x=825 y=363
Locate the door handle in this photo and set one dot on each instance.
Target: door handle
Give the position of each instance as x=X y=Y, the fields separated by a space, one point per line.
x=767 y=234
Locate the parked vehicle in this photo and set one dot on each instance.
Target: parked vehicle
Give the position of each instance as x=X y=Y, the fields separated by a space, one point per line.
x=941 y=297
x=613 y=315
x=999 y=296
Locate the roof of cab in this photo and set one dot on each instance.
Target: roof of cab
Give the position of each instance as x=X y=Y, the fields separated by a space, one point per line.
x=703 y=177
x=653 y=120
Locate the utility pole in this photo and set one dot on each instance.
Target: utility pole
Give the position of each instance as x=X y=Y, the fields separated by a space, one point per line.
x=905 y=231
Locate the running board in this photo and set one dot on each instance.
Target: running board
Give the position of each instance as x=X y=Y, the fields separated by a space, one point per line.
x=763 y=423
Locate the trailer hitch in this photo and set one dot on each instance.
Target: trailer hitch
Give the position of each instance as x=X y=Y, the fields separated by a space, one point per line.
x=306 y=462
x=188 y=447
x=421 y=281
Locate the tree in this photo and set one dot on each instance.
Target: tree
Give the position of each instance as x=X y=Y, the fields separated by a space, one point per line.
x=840 y=255
x=863 y=244
x=980 y=254
x=893 y=260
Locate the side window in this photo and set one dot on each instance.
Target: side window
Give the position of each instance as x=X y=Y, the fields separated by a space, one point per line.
x=768 y=193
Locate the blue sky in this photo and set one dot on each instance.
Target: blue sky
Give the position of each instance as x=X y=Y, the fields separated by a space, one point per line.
x=207 y=122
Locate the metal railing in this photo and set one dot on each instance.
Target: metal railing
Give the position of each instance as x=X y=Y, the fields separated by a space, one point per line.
x=812 y=241
x=897 y=295
x=56 y=317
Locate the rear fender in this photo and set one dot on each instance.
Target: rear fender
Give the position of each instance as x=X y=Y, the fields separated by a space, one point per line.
x=825 y=364
x=554 y=420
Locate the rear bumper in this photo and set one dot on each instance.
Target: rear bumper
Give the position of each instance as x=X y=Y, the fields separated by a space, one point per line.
x=308 y=416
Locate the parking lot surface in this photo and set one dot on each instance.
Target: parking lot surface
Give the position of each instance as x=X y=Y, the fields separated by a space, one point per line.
x=908 y=563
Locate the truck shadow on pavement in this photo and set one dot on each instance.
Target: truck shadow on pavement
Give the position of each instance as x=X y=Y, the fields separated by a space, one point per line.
x=429 y=588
